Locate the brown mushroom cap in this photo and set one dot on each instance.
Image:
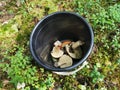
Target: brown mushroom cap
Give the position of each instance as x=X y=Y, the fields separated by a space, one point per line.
x=56 y=52
x=65 y=42
x=65 y=61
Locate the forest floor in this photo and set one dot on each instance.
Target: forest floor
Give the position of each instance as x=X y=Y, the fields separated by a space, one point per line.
x=18 y=71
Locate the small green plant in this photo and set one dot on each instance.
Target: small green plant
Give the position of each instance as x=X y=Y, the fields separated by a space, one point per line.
x=114 y=12
x=22 y=74
x=67 y=82
x=111 y=41
x=19 y=69
x=45 y=83
x=96 y=75
x=102 y=18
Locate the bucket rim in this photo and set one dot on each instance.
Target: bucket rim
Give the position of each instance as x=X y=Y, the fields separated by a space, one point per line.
x=71 y=67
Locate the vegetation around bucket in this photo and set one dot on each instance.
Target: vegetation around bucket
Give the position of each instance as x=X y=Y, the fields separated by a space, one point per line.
x=18 y=69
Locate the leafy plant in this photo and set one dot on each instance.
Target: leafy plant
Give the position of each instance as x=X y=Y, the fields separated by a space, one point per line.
x=19 y=69
x=96 y=75
x=48 y=82
x=114 y=12
x=100 y=17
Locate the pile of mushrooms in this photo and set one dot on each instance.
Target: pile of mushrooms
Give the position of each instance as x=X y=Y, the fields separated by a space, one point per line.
x=65 y=51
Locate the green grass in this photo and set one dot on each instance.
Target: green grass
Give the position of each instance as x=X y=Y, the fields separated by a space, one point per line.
x=18 y=66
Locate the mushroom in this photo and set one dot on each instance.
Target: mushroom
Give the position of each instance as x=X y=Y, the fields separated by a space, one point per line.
x=64 y=61
x=65 y=42
x=74 y=53
x=56 y=52
x=56 y=64
x=77 y=44
x=57 y=43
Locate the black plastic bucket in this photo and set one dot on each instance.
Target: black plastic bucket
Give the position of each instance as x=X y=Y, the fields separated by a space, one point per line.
x=60 y=26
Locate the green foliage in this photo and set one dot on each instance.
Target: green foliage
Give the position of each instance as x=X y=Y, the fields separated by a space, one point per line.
x=8 y=30
x=19 y=68
x=45 y=83
x=100 y=17
x=96 y=75
x=40 y=8
x=66 y=83
x=114 y=12
x=111 y=42
x=16 y=64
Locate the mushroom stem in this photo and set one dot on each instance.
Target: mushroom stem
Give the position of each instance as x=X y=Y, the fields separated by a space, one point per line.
x=77 y=44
